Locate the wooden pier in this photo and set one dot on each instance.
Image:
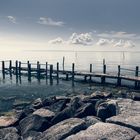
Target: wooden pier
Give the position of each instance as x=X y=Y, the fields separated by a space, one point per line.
x=47 y=70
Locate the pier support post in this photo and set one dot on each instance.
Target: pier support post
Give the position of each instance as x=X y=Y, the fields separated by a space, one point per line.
x=90 y=71
x=57 y=68
x=38 y=70
x=3 y=69
x=19 y=69
x=67 y=76
x=119 y=73
x=51 y=71
x=16 y=63
x=46 y=70
x=104 y=72
x=136 y=74
x=29 y=71
x=63 y=64
x=10 y=68
x=73 y=67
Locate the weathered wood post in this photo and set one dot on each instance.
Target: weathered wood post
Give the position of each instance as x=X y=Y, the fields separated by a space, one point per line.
x=63 y=64
x=46 y=70
x=90 y=71
x=57 y=69
x=73 y=67
x=3 y=69
x=119 y=78
x=136 y=74
x=38 y=70
x=16 y=63
x=10 y=68
x=67 y=76
x=51 y=71
x=104 y=72
x=19 y=69
x=29 y=71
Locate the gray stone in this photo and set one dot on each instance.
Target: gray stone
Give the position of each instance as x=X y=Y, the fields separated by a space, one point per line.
x=33 y=123
x=101 y=95
x=63 y=129
x=104 y=131
x=37 y=103
x=137 y=137
x=44 y=113
x=135 y=96
x=10 y=133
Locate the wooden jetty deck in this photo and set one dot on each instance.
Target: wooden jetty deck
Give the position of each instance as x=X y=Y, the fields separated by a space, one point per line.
x=48 y=71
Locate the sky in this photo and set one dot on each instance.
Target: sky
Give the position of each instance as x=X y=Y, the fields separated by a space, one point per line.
x=68 y=24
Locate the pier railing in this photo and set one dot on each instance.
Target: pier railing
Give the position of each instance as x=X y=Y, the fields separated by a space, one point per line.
x=47 y=70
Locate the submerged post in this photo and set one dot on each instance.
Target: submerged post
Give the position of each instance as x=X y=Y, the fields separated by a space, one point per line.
x=73 y=65
x=90 y=71
x=19 y=69
x=119 y=73
x=57 y=69
x=136 y=74
x=51 y=71
x=29 y=71
x=16 y=63
x=63 y=63
x=3 y=69
x=38 y=70
x=104 y=72
x=46 y=70
x=10 y=68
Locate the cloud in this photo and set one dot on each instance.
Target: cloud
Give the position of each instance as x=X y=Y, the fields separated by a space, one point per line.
x=103 y=42
x=12 y=19
x=50 y=22
x=124 y=44
x=58 y=40
x=118 y=35
x=82 y=39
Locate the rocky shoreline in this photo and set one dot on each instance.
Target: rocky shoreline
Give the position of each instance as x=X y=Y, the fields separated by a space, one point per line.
x=98 y=116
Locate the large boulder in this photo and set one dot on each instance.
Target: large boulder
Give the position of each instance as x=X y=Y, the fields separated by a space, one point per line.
x=137 y=137
x=107 y=109
x=38 y=103
x=129 y=114
x=63 y=129
x=104 y=131
x=10 y=133
x=33 y=123
x=44 y=113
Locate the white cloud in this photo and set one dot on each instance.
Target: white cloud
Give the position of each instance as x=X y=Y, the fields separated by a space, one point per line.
x=58 y=40
x=50 y=22
x=12 y=19
x=124 y=44
x=82 y=39
x=102 y=42
x=118 y=35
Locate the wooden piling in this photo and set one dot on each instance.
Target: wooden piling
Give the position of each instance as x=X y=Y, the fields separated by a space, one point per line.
x=16 y=63
x=19 y=70
x=51 y=71
x=57 y=71
x=67 y=76
x=63 y=65
x=38 y=70
x=29 y=70
x=136 y=74
x=104 y=72
x=119 y=73
x=90 y=71
x=46 y=70
x=3 y=69
x=73 y=67
x=10 y=68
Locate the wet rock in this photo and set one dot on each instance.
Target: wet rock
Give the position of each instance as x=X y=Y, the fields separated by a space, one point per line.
x=137 y=137
x=101 y=95
x=91 y=120
x=63 y=129
x=37 y=103
x=6 y=121
x=104 y=131
x=128 y=121
x=135 y=96
x=33 y=123
x=31 y=135
x=85 y=110
x=49 y=101
x=107 y=109
x=44 y=113
x=10 y=133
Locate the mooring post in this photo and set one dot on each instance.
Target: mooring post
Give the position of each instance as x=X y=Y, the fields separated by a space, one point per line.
x=119 y=73
x=136 y=74
x=73 y=65
x=104 y=72
x=57 y=69
x=16 y=63
x=19 y=68
x=29 y=72
x=90 y=71
x=10 y=68
x=3 y=69
x=63 y=63
x=51 y=71
x=46 y=70
x=38 y=70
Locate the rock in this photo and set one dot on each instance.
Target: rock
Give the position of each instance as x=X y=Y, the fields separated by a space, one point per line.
x=37 y=103
x=135 y=96
x=107 y=109
x=137 y=137
x=129 y=114
x=31 y=135
x=44 y=113
x=49 y=101
x=33 y=123
x=128 y=121
x=104 y=131
x=85 y=110
x=6 y=121
x=63 y=129
x=91 y=120
x=101 y=95
x=10 y=133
